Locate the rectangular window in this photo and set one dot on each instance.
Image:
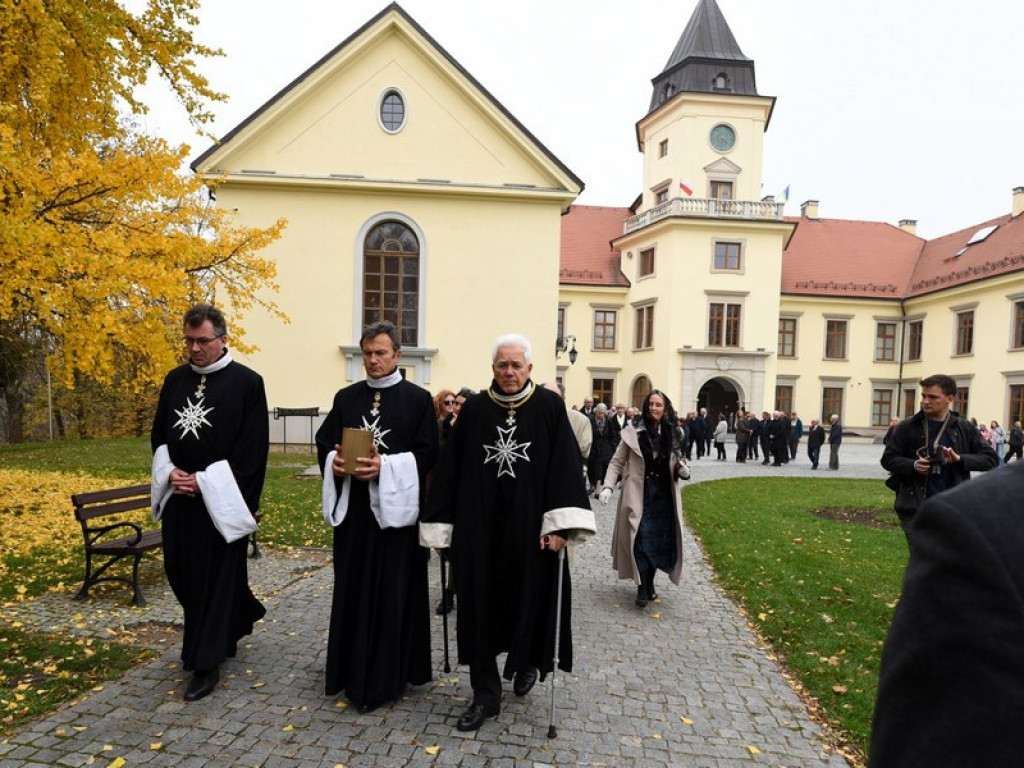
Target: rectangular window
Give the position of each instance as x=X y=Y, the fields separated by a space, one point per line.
x=724 y=325
x=602 y=389
x=784 y=398
x=965 y=332
x=644 y=337
x=835 y=339
x=915 y=336
x=721 y=190
x=831 y=402
x=909 y=403
x=561 y=325
x=787 y=337
x=604 y=328
x=885 y=342
x=962 y=401
x=661 y=196
x=663 y=148
x=646 y=262
x=881 y=407
x=1018 y=324
x=1016 y=404
x=727 y=255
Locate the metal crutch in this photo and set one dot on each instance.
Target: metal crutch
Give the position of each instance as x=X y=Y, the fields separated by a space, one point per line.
x=552 y=733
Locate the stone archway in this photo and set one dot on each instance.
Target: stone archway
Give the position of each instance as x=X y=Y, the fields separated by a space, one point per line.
x=719 y=396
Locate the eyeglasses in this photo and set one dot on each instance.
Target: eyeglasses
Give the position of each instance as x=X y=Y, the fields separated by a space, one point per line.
x=449 y=402
x=202 y=341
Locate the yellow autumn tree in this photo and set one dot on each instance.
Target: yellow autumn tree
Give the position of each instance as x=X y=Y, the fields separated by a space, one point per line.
x=104 y=240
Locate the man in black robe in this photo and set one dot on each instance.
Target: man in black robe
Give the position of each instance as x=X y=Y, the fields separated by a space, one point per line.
x=211 y=410
x=505 y=497
x=379 y=640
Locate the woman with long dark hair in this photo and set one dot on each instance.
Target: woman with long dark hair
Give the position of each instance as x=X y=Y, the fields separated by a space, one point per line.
x=648 y=533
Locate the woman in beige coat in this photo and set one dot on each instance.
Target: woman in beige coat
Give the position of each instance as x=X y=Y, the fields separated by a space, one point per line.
x=648 y=533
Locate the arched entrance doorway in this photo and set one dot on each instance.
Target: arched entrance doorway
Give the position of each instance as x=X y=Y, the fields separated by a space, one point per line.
x=641 y=389
x=719 y=396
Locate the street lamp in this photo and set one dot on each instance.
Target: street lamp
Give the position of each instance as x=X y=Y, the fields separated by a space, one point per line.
x=560 y=345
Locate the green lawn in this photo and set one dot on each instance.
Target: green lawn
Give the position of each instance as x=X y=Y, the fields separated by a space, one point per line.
x=819 y=590
x=42 y=550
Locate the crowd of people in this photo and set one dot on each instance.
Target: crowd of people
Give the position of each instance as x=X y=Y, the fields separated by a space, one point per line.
x=499 y=482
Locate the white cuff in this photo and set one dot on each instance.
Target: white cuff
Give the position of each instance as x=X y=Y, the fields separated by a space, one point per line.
x=436 y=535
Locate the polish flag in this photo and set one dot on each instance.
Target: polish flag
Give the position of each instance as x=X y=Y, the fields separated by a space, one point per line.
x=686 y=188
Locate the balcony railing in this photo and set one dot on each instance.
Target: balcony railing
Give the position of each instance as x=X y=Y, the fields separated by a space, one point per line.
x=753 y=210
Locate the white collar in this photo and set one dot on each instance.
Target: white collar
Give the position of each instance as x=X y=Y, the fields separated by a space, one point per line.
x=223 y=362
x=387 y=381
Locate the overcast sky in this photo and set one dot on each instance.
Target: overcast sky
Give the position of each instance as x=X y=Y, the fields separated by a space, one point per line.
x=887 y=109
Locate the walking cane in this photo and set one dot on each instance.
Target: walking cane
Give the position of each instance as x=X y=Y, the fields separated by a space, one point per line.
x=552 y=733
x=444 y=608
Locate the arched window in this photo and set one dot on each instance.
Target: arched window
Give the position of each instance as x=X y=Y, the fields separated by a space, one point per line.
x=641 y=389
x=391 y=279
x=721 y=82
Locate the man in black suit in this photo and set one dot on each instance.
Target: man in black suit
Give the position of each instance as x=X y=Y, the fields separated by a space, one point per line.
x=815 y=439
x=951 y=689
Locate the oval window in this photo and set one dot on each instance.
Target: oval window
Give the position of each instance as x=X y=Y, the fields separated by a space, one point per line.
x=392 y=111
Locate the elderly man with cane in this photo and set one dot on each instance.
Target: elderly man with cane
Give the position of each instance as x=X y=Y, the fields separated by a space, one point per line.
x=506 y=496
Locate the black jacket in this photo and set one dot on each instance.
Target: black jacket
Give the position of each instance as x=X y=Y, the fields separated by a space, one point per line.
x=976 y=455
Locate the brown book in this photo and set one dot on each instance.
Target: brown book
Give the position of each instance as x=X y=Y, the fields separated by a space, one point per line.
x=355 y=444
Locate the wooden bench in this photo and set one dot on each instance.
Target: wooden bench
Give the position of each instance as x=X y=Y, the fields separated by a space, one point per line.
x=90 y=508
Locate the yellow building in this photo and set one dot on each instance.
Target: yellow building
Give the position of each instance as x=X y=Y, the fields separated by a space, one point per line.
x=703 y=289
x=411 y=193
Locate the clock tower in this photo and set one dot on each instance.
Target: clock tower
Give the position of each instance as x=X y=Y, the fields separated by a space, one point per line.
x=704 y=249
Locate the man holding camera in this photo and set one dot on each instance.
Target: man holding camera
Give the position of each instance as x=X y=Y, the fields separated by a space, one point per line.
x=933 y=450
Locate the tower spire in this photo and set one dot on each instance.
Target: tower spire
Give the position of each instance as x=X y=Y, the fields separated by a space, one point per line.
x=707 y=59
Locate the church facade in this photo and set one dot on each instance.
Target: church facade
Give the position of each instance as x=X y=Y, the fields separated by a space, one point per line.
x=411 y=193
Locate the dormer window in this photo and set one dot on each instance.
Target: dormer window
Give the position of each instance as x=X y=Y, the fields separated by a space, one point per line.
x=666 y=91
x=721 y=82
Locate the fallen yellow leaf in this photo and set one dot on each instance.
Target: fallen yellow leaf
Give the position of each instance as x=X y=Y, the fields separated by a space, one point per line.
x=655 y=735
x=839 y=688
x=656 y=615
x=117 y=762
x=686 y=720
x=156 y=745
x=288 y=728
x=754 y=750
x=107 y=747
x=432 y=750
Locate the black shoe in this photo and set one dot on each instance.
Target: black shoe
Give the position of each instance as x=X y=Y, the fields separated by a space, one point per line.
x=524 y=681
x=641 y=597
x=446 y=602
x=369 y=706
x=202 y=685
x=651 y=594
x=474 y=717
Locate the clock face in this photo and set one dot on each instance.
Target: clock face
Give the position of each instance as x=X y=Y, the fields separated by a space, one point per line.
x=723 y=137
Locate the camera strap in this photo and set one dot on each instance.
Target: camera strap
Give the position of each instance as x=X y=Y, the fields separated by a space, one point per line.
x=934 y=448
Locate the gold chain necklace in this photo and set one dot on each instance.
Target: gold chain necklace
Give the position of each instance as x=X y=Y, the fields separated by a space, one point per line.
x=512 y=405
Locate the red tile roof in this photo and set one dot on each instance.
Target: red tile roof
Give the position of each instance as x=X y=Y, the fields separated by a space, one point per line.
x=837 y=257
x=587 y=257
x=825 y=257
x=943 y=265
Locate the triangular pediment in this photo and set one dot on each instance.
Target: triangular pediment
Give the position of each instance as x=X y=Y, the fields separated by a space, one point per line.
x=326 y=124
x=723 y=165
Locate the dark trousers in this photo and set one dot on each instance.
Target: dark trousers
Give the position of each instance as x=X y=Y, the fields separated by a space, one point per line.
x=766 y=449
x=752 y=447
x=486 y=683
x=793 y=443
x=814 y=453
x=741 y=452
x=1019 y=450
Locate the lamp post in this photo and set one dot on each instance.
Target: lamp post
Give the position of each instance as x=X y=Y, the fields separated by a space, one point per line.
x=561 y=343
